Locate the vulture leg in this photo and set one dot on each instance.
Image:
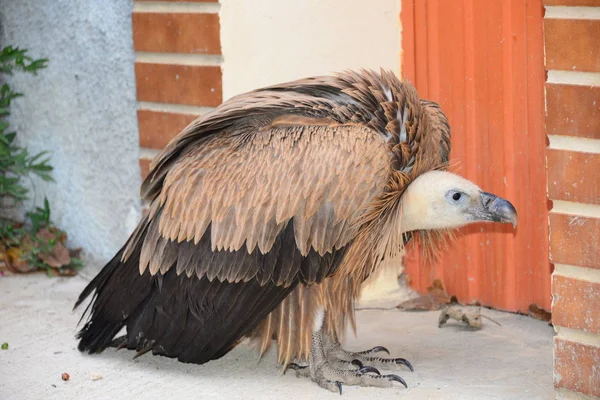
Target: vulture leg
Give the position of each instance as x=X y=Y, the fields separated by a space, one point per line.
x=337 y=353
x=329 y=373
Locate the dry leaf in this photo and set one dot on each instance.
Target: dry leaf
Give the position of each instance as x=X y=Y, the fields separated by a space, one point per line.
x=539 y=313
x=58 y=257
x=14 y=262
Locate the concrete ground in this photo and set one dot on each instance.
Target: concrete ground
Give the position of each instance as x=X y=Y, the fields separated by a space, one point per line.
x=512 y=361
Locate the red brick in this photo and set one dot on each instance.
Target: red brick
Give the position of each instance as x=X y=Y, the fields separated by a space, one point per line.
x=572 y=2
x=573 y=176
x=572 y=45
x=575 y=240
x=576 y=303
x=144 y=167
x=573 y=110
x=176 y=32
x=157 y=128
x=179 y=84
x=577 y=366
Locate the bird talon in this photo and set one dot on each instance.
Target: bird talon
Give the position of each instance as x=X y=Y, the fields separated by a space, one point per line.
x=379 y=348
x=405 y=362
x=297 y=367
x=375 y=349
x=339 y=386
x=357 y=363
x=367 y=369
x=397 y=379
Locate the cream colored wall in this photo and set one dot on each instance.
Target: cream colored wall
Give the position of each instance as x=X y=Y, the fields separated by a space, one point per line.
x=271 y=41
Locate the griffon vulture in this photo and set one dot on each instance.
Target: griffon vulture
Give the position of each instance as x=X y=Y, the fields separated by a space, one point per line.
x=268 y=213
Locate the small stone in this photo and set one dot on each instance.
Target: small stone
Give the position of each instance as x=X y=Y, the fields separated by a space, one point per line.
x=95 y=377
x=65 y=376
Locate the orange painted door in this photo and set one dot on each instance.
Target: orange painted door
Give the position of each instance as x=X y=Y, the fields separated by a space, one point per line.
x=482 y=61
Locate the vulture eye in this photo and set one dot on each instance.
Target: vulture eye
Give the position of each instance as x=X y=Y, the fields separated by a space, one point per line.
x=455 y=197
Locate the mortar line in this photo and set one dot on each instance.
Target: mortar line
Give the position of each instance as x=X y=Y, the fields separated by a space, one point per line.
x=581 y=273
x=177 y=7
x=148 y=154
x=173 y=108
x=566 y=12
x=578 y=78
x=575 y=335
x=571 y=143
x=575 y=209
x=212 y=60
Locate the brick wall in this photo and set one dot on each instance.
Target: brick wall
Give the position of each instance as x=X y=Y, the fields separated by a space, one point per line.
x=177 y=68
x=572 y=44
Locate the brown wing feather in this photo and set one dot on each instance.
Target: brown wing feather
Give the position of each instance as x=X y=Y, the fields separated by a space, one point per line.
x=242 y=190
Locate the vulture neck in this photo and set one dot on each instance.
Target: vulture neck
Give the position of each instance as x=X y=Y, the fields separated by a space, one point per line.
x=409 y=224
x=415 y=213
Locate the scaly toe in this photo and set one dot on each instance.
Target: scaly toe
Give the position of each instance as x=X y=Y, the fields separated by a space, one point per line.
x=367 y=369
x=379 y=362
x=296 y=367
x=302 y=371
x=375 y=349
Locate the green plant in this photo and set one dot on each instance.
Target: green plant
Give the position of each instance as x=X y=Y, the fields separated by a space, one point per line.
x=34 y=243
x=16 y=162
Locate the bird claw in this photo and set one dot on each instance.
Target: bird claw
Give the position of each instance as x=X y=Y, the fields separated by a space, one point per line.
x=367 y=369
x=375 y=349
x=339 y=386
x=397 y=379
x=404 y=361
x=362 y=369
x=297 y=367
x=359 y=360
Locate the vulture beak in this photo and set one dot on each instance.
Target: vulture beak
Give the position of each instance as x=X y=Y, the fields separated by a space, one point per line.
x=496 y=209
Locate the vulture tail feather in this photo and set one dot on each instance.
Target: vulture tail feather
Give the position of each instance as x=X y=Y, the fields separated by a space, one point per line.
x=110 y=305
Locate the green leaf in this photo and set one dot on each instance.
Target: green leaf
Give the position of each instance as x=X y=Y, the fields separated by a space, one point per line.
x=40 y=216
x=17 y=162
x=10 y=137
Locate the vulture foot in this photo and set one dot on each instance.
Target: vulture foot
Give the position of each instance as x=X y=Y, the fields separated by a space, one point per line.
x=303 y=371
x=332 y=378
x=331 y=367
x=337 y=355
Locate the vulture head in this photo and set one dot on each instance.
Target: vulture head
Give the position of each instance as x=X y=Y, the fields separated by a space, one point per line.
x=442 y=200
